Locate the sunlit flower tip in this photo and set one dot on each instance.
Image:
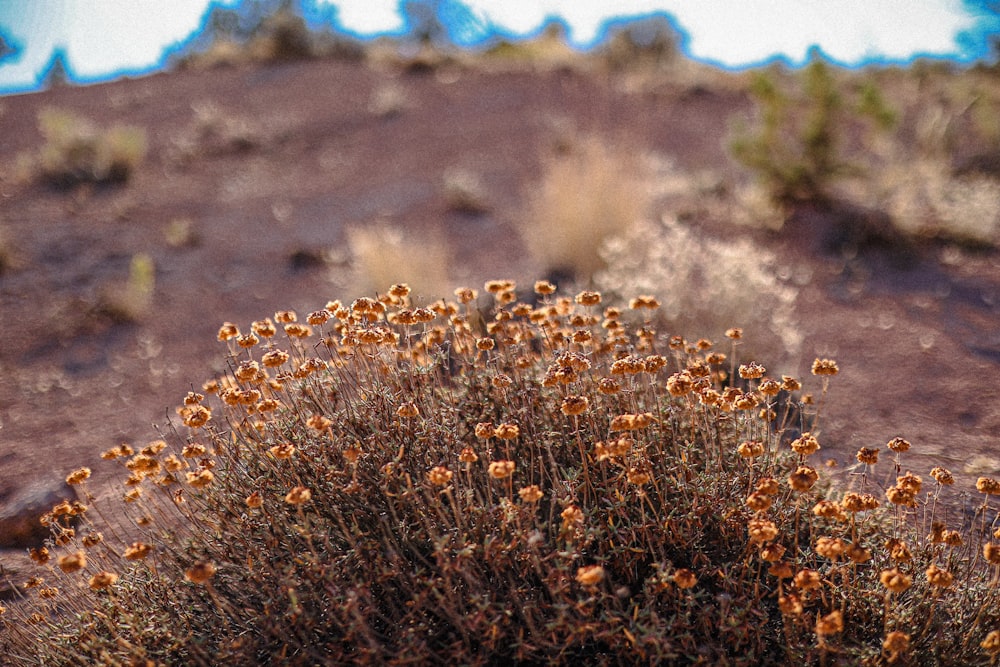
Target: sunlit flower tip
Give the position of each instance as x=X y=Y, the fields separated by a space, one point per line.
x=228 y=331
x=73 y=562
x=254 y=500
x=752 y=371
x=830 y=624
x=942 y=476
x=790 y=605
x=868 y=456
x=138 y=551
x=530 y=494
x=750 y=449
x=485 y=344
x=283 y=450
x=685 y=578
x=991 y=552
x=588 y=298
x=939 y=577
x=102 y=580
x=898 y=445
x=735 y=333
x=78 y=476
x=769 y=387
x=507 y=431
x=824 y=367
x=991 y=644
x=827 y=509
x=465 y=295
x=680 y=384
x=39 y=555
x=498 y=286
x=195 y=416
x=200 y=572
x=830 y=547
x=286 y=317
x=910 y=483
x=274 y=358
x=439 y=476
x=805 y=445
x=900 y=496
x=247 y=340
x=590 y=575
x=264 y=328
x=544 y=288
x=200 y=478
x=638 y=477
x=132 y=494
x=501 y=469
x=803 y=478
x=988 y=485
x=468 y=455
x=644 y=301
x=574 y=405
x=407 y=410
x=298 y=496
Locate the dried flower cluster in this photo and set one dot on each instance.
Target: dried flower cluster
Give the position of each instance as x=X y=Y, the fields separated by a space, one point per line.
x=516 y=482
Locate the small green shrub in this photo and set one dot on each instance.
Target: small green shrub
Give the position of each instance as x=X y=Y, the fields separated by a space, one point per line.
x=384 y=484
x=76 y=151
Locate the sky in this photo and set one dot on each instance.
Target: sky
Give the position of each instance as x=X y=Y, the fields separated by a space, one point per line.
x=102 y=39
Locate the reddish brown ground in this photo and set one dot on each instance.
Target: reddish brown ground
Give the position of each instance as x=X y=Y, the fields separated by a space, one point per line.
x=916 y=338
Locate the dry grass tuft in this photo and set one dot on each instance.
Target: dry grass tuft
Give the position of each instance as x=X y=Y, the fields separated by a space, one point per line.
x=76 y=151
x=383 y=255
x=592 y=191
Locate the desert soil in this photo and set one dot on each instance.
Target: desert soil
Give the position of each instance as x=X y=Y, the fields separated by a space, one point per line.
x=286 y=157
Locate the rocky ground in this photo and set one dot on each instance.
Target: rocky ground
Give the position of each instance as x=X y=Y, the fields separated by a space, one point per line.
x=253 y=174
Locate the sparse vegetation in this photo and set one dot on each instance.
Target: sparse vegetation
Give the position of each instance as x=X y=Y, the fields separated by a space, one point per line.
x=384 y=254
x=130 y=301
x=76 y=151
x=380 y=483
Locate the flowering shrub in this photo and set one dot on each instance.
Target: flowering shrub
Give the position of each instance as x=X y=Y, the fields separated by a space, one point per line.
x=379 y=483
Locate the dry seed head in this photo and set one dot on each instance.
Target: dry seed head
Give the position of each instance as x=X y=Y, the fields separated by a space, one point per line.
x=507 y=431
x=678 y=384
x=807 y=580
x=571 y=516
x=467 y=455
x=991 y=644
x=896 y=643
x=73 y=562
x=200 y=572
x=824 y=367
x=768 y=486
x=78 y=476
x=264 y=328
x=772 y=553
x=769 y=387
x=530 y=494
x=485 y=344
x=544 y=288
x=868 y=456
x=465 y=295
x=898 y=445
x=590 y=575
x=254 y=500
x=247 y=340
x=735 y=333
x=319 y=423
x=781 y=570
x=988 y=485
x=858 y=502
x=138 y=551
x=805 y=445
x=283 y=450
x=638 y=477
x=898 y=496
x=274 y=358
x=803 y=478
x=574 y=405
x=830 y=547
x=200 y=479
x=939 y=577
x=942 y=476
x=588 y=298
x=399 y=290
x=827 y=509
x=898 y=551
x=790 y=605
x=498 y=286
x=501 y=469
x=299 y=495
x=750 y=449
x=752 y=371
x=39 y=555
x=644 y=301
x=502 y=381
x=991 y=552
x=439 y=476
x=758 y=502
x=685 y=578
x=761 y=531
x=909 y=483
x=228 y=331
x=102 y=580
x=830 y=624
